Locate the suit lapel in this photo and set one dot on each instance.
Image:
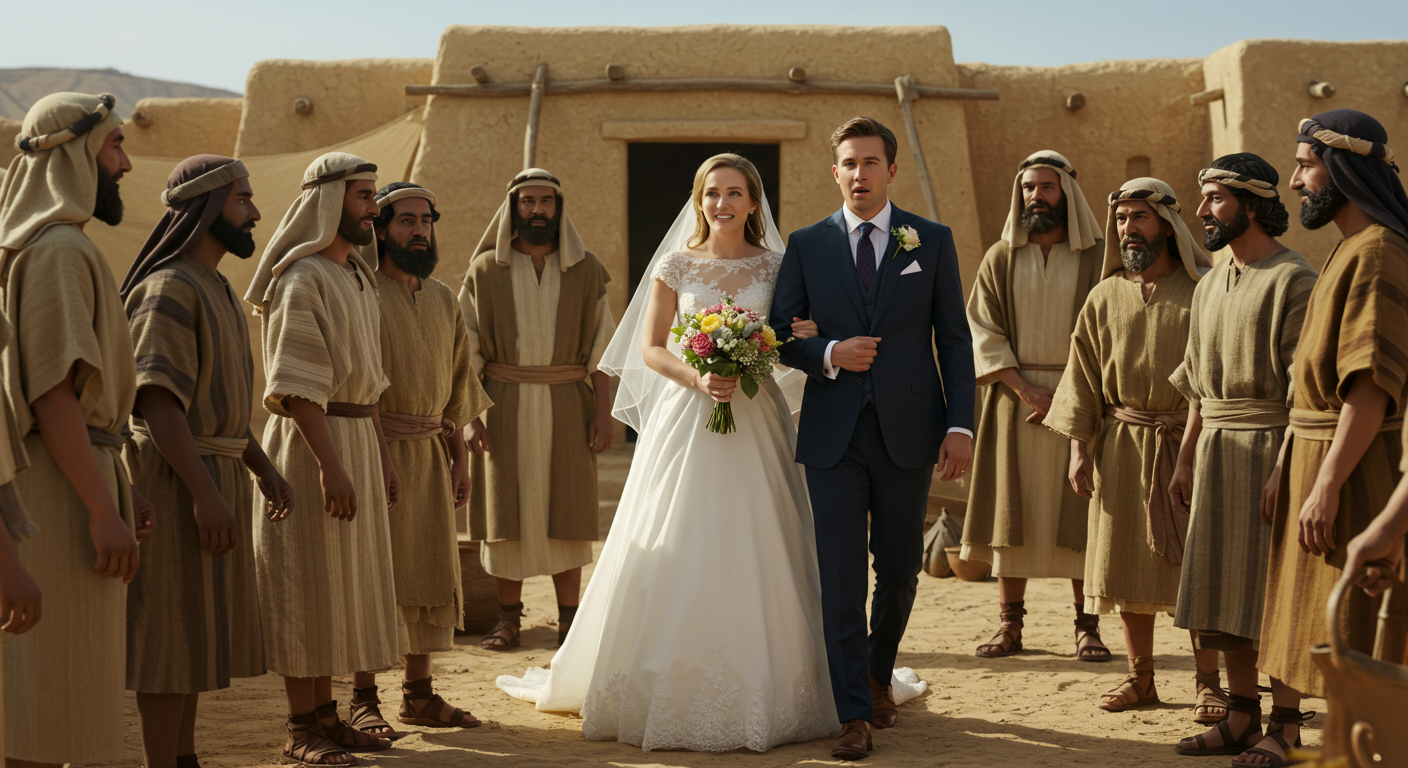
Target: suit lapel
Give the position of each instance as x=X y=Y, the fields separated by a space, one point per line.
x=844 y=262
x=890 y=268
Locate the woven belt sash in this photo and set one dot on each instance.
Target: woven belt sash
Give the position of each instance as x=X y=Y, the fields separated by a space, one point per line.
x=352 y=410
x=1166 y=528
x=212 y=445
x=1320 y=425
x=103 y=437
x=535 y=374
x=403 y=426
x=1243 y=413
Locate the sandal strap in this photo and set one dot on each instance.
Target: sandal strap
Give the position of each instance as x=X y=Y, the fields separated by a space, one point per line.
x=310 y=742
x=434 y=706
x=1245 y=705
x=1290 y=716
x=365 y=713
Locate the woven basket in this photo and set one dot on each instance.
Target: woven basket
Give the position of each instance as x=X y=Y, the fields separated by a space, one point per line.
x=1367 y=718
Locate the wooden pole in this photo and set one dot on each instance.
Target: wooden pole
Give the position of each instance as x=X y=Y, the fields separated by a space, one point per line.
x=905 y=90
x=629 y=85
x=535 y=110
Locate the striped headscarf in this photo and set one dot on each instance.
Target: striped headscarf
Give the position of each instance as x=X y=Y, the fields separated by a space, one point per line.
x=1354 y=146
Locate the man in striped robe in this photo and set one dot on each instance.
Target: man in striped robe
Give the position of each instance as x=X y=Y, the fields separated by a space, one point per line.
x=1244 y=325
x=434 y=393
x=1340 y=462
x=193 y=611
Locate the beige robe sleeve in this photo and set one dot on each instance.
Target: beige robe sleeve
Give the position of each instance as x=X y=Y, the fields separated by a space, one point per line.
x=467 y=398
x=605 y=329
x=296 y=358
x=57 y=301
x=992 y=349
x=161 y=318
x=471 y=324
x=1079 y=402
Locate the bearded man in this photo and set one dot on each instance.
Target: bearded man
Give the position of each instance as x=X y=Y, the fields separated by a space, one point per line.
x=1245 y=323
x=193 y=611
x=326 y=586
x=70 y=380
x=1023 y=516
x=1343 y=454
x=1116 y=395
x=534 y=299
x=434 y=393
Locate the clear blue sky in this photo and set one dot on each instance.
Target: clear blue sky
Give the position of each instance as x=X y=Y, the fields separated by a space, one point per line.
x=214 y=44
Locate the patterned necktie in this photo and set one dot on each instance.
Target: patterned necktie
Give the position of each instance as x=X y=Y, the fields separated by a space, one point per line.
x=865 y=255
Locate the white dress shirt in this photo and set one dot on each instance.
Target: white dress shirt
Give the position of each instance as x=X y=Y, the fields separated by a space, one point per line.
x=880 y=238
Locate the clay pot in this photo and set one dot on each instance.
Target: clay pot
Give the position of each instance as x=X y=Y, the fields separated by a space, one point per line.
x=966 y=570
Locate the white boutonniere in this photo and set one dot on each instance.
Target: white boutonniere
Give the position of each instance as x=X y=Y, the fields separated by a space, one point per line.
x=909 y=239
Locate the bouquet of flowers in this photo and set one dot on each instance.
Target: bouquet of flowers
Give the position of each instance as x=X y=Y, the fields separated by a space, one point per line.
x=728 y=340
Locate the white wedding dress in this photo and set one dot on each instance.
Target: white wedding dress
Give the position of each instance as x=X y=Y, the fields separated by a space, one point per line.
x=701 y=626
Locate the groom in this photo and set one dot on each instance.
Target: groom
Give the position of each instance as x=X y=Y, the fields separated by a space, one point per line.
x=874 y=416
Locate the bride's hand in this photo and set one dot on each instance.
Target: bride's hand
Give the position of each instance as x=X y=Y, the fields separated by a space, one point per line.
x=719 y=388
x=803 y=329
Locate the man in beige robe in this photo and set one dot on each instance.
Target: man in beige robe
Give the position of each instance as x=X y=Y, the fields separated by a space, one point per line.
x=534 y=300
x=1115 y=397
x=69 y=377
x=434 y=393
x=21 y=603
x=326 y=587
x=1023 y=516
x=1245 y=323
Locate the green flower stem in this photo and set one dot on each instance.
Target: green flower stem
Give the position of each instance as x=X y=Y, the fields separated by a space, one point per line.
x=721 y=420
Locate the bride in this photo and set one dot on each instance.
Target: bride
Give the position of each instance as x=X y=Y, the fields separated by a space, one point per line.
x=701 y=626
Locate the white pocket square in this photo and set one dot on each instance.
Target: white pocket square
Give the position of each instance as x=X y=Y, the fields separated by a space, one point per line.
x=911 y=269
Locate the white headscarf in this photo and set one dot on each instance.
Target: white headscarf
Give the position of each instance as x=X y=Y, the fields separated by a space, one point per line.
x=311 y=224
x=500 y=233
x=1082 y=228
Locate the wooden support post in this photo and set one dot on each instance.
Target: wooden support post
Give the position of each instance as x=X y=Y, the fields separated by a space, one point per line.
x=479 y=74
x=535 y=109
x=904 y=89
x=1206 y=97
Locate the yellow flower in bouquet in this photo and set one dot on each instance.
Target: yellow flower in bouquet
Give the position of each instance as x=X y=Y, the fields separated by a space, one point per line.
x=769 y=336
x=711 y=323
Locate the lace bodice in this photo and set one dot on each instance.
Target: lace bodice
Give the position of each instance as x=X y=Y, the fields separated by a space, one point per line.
x=703 y=282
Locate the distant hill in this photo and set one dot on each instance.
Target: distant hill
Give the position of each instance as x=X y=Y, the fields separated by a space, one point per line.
x=20 y=88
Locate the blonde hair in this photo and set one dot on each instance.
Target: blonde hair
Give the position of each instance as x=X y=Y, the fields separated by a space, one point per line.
x=753 y=229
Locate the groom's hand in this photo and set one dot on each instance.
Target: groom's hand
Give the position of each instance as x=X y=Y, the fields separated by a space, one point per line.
x=955 y=455
x=855 y=354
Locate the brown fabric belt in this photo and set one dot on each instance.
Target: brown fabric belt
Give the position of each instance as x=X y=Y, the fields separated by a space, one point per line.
x=103 y=437
x=403 y=426
x=1055 y=367
x=535 y=374
x=1320 y=425
x=1243 y=413
x=212 y=445
x=352 y=410
x=1167 y=528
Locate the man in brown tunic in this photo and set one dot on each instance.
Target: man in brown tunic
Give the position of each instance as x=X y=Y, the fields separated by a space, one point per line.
x=534 y=300
x=434 y=393
x=69 y=377
x=1023 y=516
x=1116 y=398
x=1343 y=452
x=193 y=611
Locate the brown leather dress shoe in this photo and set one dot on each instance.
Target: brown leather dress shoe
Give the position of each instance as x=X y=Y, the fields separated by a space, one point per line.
x=883 y=700
x=854 y=743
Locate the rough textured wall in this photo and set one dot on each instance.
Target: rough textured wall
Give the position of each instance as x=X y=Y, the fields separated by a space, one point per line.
x=183 y=127
x=1266 y=84
x=349 y=98
x=473 y=145
x=9 y=129
x=1136 y=117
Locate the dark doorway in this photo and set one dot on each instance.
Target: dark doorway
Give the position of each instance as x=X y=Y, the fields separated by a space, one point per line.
x=660 y=178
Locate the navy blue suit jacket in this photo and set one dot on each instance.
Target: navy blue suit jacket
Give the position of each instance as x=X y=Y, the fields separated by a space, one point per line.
x=916 y=315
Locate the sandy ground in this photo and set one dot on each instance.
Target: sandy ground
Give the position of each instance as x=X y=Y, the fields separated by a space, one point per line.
x=1033 y=709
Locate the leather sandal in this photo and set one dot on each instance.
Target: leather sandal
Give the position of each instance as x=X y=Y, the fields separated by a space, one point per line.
x=420 y=705
x=1250 y=736
x=365 y=711
x=1008 y=639
x=1137 y=690
x=308 y=745
x=347 y=736
x=1275 y=731
x=505 y=634
x=1210 y=705
x=565 y=615
x=1089 y=646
